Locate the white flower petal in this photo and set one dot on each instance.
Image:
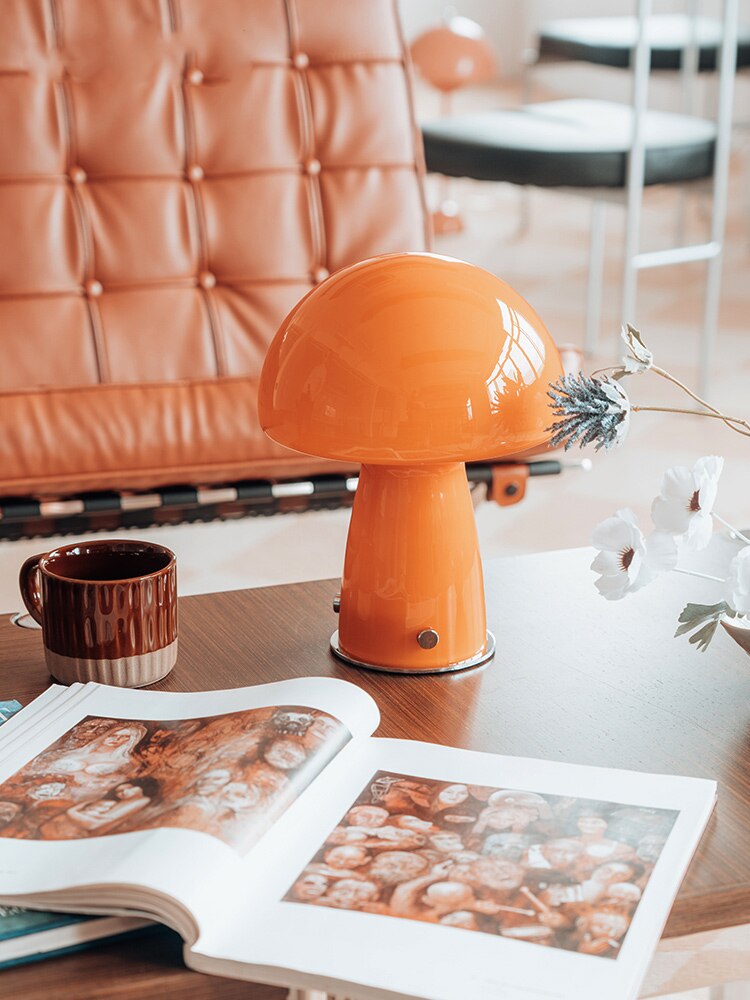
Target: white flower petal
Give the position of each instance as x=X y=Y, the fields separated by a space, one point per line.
x=626 y=514
x=616 y=395
x=619 y=403
x=607 y=563
x=710 y=466
x=640 y=358
x=678 y=483
x=706 y=472
x=737 y=587
x=661 y=551
x=670 y=515
x=686 y=500
x=700 y=530
x=613 y=587
x=617 y=532
x=620 y=561
x=635 y=568
x=661 y=556
x=633 y=367
x=622 y=429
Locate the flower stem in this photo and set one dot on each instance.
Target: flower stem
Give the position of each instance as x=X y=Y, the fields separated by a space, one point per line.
x=740 y=426
x=681 y=385
x=735 y=531
x=700 y=576
x=733 y=423
x=616 y=368
x=675 y=381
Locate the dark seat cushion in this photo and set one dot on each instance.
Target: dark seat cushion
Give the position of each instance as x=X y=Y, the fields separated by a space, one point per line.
x=609 y=41
x=572 y=143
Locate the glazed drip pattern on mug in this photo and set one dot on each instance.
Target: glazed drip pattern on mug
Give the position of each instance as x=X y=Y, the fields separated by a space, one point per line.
x=110 y=620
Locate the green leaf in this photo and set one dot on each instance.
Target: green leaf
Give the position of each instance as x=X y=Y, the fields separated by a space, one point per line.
x=693 y=616
x=691 y=611
x=703 y=636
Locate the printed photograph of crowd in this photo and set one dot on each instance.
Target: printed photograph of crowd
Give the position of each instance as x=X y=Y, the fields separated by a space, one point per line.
x=229 y=776
x=563 y=872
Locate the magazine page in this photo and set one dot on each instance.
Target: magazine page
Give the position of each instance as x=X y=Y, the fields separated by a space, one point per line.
x=422 y=871
x=20 y=726
x=25 y=934
x=109 y=787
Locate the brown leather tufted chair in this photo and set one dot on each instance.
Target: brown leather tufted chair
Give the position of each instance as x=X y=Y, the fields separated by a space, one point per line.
x=174 y=176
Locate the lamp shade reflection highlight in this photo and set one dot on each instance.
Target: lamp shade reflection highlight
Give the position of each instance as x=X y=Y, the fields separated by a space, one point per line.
x=410 y=364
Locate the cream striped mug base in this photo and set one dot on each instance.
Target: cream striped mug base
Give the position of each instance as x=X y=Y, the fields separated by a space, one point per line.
x=125 y=671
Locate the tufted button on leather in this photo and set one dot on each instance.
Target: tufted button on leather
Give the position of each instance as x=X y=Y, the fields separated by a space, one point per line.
x=93 y=288
x=195 y=76
x=320 y=274
x=206 y=279
x=301 y=60
x=195 y=173
x=312 y=167
x=77 y=175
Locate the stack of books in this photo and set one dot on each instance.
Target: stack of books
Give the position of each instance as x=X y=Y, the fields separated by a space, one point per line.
x=26 y=935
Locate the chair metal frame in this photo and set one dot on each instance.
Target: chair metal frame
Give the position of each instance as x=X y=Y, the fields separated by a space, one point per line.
x=636 y=260
x=27 y=517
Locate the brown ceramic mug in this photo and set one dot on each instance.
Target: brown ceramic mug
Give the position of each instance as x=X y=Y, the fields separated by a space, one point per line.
x=108 y=610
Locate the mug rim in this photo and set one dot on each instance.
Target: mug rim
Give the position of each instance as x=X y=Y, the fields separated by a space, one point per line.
x=46 y=561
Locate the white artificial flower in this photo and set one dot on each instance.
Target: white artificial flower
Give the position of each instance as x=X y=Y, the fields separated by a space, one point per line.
x=686 y=500
x=639 y=358
x=619 y=404
x=738 y=585
x=627 y=560
x=661 y=556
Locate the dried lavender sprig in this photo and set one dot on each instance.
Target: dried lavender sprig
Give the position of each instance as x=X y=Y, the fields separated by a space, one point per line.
x=590 y=410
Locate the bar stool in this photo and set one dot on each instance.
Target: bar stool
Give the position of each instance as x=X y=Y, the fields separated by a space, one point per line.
x=612 y=152
x=610 y=41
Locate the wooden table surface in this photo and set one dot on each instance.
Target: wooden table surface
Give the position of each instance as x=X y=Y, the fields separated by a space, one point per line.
x=575 y=678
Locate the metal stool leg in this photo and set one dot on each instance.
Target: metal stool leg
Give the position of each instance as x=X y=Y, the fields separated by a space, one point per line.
x=636 y=167
x=720 y=188
x=710 y=322
x=524 y=212
x=529 y=59
x=689 y=83
x=683 y=205
x=596 y=275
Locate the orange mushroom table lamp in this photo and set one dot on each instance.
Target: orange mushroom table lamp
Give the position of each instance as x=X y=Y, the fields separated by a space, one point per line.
x=411 y=364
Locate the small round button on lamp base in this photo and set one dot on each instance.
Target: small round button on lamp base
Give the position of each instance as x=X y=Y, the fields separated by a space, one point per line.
x=475 y=661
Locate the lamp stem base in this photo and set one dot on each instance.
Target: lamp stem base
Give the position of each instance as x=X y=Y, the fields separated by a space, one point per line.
x=475 y=661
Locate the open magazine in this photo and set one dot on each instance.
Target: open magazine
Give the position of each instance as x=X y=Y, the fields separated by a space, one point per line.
x=288 y=846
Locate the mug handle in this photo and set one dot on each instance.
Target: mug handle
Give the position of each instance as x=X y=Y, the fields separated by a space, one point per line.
x=29 y=580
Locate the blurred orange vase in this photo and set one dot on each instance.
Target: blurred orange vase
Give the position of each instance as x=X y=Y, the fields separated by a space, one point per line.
x=411 y=364
x=455 y=54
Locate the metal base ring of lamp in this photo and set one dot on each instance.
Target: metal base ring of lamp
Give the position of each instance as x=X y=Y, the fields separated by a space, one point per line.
x=474 y=661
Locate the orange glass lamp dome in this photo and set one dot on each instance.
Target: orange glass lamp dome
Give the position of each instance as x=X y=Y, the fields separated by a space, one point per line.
x=410 y=364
